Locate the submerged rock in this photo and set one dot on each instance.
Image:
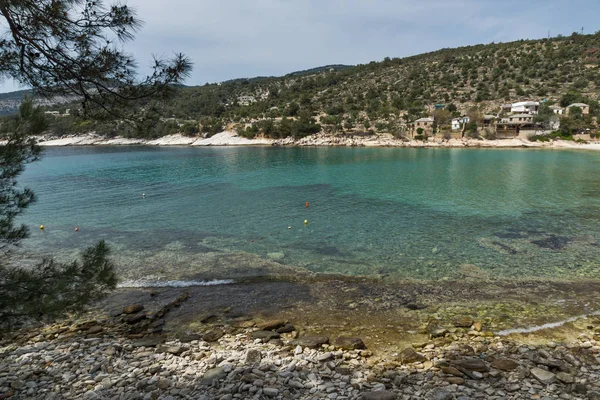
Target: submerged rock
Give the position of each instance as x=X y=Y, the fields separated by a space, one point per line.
x=409 y=356
x=276 y=256
x=265 y=335
x=208 y=318
x=553 y=242
x=189 y=337
x=311 y=342
x=270 y=325
x=287 y=328
x=132 y=309
x=463 y=322
x=349 y=343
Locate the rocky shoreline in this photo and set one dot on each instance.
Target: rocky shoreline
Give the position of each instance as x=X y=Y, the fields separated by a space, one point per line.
x=229 y=138
x=126 y=355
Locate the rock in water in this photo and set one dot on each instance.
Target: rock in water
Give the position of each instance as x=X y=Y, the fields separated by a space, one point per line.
x=208 y=318
x=311 y=342
x=189 y=337
x=463 y=322
x=409 y=356
x=545 y=377
x=265 y=335
x=134 y=319
x=271 y=325
x=132 y=309
x=287 y=328
x=94 y=329
x=349 y=343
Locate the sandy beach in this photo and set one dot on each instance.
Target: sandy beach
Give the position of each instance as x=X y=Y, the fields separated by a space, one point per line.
x=229 y=138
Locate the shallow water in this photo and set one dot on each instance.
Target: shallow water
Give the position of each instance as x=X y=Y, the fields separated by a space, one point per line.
x=408 y=213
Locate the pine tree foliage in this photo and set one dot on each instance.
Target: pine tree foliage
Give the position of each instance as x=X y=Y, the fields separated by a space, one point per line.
x=66 y=48
x=50 y=288
x=71 y=48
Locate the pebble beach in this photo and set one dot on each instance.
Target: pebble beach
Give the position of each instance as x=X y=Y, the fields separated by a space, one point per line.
x=102 y=359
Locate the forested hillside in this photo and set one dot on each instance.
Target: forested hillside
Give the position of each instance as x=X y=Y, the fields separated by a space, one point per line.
x=377 y=97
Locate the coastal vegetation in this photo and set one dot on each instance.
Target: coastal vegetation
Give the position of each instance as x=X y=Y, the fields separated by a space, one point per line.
x=64 y=48
x=379 y=97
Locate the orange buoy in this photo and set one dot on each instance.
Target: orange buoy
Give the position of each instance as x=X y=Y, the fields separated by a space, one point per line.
x=306 y=204
x=76 y=229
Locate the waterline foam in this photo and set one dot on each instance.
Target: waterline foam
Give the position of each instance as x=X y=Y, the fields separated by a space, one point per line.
x=141 y=283
x=549 y=325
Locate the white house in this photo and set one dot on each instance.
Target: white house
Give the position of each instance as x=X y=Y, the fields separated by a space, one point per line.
x=557 y=110
x=518 y=119
x=457 y=123
x=525 y=107
x=424 y=123
x=585 y=109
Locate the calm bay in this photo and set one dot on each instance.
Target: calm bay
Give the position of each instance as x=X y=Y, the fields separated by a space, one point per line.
x=407 y=213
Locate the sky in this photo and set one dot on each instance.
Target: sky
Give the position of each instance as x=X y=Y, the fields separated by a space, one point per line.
x=229 y=39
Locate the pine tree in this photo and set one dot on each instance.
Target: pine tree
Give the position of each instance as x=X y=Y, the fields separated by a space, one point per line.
x=70 y=48
x=63 y=47
x=50 y=288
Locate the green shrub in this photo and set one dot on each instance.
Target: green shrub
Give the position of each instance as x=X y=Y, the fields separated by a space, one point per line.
x=539 y=138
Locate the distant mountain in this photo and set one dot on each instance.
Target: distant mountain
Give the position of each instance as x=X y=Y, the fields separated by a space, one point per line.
x=325 y=68
x=10 y=102
x=17 y=95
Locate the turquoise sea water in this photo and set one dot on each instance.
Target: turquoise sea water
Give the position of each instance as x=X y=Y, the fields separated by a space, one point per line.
x=418 y=213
